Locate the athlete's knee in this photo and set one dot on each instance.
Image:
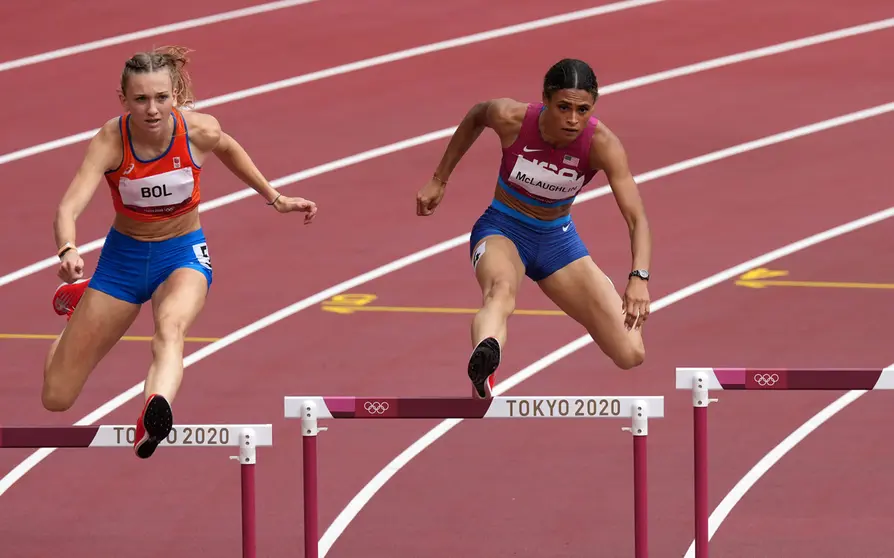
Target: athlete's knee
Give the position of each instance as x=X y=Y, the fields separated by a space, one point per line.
x=629 y=356
x=169 y=331
x=56 y=397
x=501 y=294
x=630 y=359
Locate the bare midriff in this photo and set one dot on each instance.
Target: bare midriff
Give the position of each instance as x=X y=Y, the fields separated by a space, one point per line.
x=535 y=211
x=153 y=231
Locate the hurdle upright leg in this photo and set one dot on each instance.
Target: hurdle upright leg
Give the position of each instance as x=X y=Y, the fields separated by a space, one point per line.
x=640 y=431
x=247 y=460
x=309 y=430
x=700 y=402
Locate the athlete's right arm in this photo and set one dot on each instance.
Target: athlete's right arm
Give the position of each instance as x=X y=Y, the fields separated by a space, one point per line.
x=103 y=153
x=497 y=114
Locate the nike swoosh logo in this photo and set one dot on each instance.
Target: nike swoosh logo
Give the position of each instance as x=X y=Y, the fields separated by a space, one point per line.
x=526 y=150
x=566 y=227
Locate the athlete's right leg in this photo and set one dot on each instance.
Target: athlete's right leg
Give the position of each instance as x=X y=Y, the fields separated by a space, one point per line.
x=499 y=270
x=99 y=312
x=96 y=324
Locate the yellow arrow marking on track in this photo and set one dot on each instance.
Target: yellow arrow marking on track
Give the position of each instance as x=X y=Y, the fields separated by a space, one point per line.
x=761 y=278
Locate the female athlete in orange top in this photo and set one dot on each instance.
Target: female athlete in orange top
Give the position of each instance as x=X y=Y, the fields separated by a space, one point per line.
x=152 y=159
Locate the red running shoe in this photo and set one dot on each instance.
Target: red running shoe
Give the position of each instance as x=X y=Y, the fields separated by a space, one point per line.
x=154 y=425
x=67 y=296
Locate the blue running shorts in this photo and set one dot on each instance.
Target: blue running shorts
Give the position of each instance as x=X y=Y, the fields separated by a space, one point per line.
x=544 y=246
x=131 y=269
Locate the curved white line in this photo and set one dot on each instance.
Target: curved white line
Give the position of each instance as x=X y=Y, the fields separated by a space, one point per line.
x=22 y=468
x=357 y=503
x=642 y=81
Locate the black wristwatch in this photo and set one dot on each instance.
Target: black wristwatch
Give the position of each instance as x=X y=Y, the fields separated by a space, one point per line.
x=641 y=273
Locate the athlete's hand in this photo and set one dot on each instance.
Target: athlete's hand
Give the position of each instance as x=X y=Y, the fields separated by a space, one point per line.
x=72 y=267
x=635 y=305
x=285 y=205
x=429 y=197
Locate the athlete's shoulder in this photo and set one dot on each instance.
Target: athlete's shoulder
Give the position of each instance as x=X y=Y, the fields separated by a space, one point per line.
x=110 y=131
x=504 y=110
x=204 y=129
x=603 y=137
x=105 y=147
x=606 y=149
x=505 y=117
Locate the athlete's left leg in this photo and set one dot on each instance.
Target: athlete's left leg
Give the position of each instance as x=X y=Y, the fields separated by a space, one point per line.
x=582 y=290
x=184 y=269
x=175 y=305
x=570 y=278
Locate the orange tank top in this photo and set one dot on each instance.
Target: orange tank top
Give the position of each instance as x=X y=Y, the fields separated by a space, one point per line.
x=161 y=188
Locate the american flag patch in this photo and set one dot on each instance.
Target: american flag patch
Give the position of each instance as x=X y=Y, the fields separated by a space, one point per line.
x=569 y=160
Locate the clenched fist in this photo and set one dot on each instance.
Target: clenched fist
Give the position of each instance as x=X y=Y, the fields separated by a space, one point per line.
x=72 y=267
x=429 y=197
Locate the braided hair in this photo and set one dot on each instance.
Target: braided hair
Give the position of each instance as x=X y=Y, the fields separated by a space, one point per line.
x=174 y=59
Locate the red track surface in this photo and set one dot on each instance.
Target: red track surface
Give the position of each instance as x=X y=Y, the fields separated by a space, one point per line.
x=559 y=489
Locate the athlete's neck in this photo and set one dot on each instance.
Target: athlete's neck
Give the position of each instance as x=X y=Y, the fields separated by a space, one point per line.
x=153 y=139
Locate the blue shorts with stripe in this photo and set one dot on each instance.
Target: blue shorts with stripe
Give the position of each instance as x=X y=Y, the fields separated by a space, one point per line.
x=544 y=246
x=131 y=269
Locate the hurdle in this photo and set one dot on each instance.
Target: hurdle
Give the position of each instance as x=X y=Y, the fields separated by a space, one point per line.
x=248 y=437
x=701 y=380
x=311 y=409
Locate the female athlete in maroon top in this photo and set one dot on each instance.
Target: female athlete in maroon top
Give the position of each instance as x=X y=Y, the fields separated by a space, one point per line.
x=551 y=150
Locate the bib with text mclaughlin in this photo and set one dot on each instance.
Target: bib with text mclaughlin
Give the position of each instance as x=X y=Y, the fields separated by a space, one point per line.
x=545 y=180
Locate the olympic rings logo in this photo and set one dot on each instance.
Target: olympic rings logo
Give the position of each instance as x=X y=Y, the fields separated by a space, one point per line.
x=376 y=407
x=766 y=380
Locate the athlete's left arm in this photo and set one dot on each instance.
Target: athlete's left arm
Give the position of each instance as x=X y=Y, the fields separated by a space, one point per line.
x=206 y=133
x=608 y=154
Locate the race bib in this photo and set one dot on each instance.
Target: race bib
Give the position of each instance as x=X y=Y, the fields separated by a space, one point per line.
x=544 y=180
x=202 y=255
x=159 y=193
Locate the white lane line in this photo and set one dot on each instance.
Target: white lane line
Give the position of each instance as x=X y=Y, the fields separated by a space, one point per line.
x=32 y=460
x=344 y=518
x=773 y=456
x=357 y=66
x=331 y=166
x=151 y=32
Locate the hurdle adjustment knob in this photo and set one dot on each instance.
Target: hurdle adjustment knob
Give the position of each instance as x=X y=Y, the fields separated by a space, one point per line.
x=700 y=397
x=309 y=416
x=247 y=447
x=639 y=413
